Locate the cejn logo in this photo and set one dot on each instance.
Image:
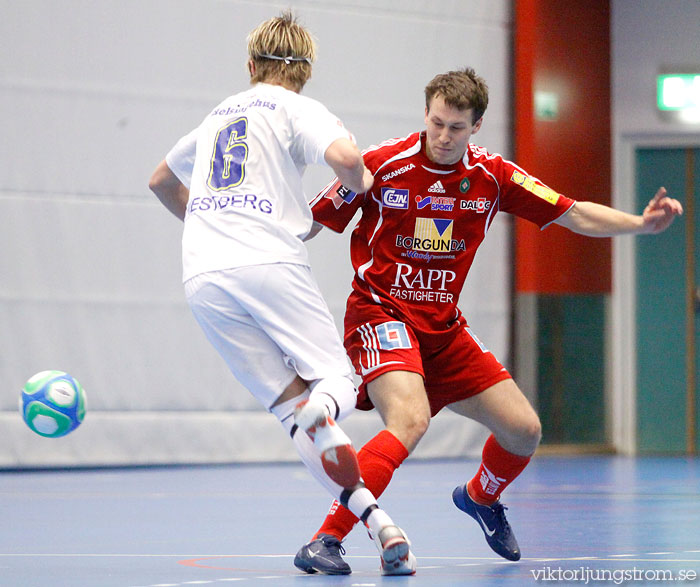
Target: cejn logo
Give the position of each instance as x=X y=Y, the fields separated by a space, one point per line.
x=395 y=198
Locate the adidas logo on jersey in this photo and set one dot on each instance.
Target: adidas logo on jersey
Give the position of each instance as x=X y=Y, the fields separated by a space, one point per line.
x=437 y=188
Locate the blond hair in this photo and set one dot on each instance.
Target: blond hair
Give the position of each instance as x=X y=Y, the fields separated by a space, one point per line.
x=282 y=51
x=462 y=89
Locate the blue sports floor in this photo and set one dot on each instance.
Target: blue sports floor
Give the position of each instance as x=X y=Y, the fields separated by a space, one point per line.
x=580 y=521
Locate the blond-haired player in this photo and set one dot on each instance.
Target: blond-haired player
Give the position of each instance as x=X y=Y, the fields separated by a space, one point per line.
x=245 y=268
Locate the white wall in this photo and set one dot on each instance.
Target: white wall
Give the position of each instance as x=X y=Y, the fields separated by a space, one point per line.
x=648 y=37
x=92 y=95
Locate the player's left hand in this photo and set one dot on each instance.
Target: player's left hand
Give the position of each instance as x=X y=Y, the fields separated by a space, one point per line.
x=660 y=212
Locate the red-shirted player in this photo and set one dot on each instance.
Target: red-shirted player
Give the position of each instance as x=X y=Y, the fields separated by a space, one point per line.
x=433 y=199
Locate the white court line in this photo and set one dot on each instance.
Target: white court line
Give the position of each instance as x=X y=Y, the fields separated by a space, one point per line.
x=142 y=555
x=476 y=562
x=482 y=559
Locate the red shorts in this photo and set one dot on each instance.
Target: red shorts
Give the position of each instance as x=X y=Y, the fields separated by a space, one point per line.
x=454 y=365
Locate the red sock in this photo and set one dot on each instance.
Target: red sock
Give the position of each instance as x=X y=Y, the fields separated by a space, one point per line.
x=498 y=469
x=378 y=459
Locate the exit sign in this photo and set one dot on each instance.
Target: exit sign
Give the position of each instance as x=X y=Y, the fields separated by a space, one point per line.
x=678 y=91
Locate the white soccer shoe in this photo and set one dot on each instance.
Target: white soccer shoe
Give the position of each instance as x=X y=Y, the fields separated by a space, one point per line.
x=395 y=551
x=338 y=456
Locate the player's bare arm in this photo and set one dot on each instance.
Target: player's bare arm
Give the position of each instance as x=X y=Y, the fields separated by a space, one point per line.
x=597 y=220
x=169 y=190
x=346 y=160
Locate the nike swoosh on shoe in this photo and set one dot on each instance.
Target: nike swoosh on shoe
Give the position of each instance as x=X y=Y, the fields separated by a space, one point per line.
x=487 y=530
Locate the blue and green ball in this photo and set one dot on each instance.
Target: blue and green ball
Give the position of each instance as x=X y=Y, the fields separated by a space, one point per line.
x=52 y=403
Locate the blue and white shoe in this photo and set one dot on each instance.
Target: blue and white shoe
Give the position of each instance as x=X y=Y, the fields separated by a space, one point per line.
x=492 y=520
x=322 y=555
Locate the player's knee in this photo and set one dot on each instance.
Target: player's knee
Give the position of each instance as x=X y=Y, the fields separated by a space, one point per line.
x=530 y=432
x=411 y=428
x=421 y=422
x=521 y=437
x=340 y=394
x=420 y=426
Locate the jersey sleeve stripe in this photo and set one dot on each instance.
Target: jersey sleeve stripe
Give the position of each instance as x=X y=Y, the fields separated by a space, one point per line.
x=323 y=192
x=558 y=217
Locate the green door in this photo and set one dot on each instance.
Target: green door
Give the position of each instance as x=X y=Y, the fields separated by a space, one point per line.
x=667 y=319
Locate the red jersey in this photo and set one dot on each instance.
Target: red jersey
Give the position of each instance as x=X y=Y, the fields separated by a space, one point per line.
x=423 y=222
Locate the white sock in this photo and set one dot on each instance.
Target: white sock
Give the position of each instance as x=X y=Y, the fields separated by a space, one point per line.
x=305 y=447
x=360 y=502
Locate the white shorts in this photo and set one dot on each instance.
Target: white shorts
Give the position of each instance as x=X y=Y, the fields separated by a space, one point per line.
x=269 y=323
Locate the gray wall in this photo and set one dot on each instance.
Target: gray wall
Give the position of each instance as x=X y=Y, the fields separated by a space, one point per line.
x=92 y=95
x=651 y=37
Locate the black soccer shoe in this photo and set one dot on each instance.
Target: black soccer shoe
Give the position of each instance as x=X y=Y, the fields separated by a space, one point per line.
x=322 y=555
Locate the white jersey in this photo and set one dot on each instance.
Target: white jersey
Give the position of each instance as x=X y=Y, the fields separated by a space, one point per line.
x=247 y=204
x=180 y=158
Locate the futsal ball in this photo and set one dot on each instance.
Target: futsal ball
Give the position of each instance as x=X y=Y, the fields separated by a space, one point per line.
x=52 y=403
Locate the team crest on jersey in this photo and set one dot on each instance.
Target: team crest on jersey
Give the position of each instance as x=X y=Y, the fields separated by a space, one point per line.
x=541 y=191
x=341 y=196
x=395 y=198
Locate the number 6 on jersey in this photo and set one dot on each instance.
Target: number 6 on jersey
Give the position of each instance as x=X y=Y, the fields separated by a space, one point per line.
x=227 y=167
